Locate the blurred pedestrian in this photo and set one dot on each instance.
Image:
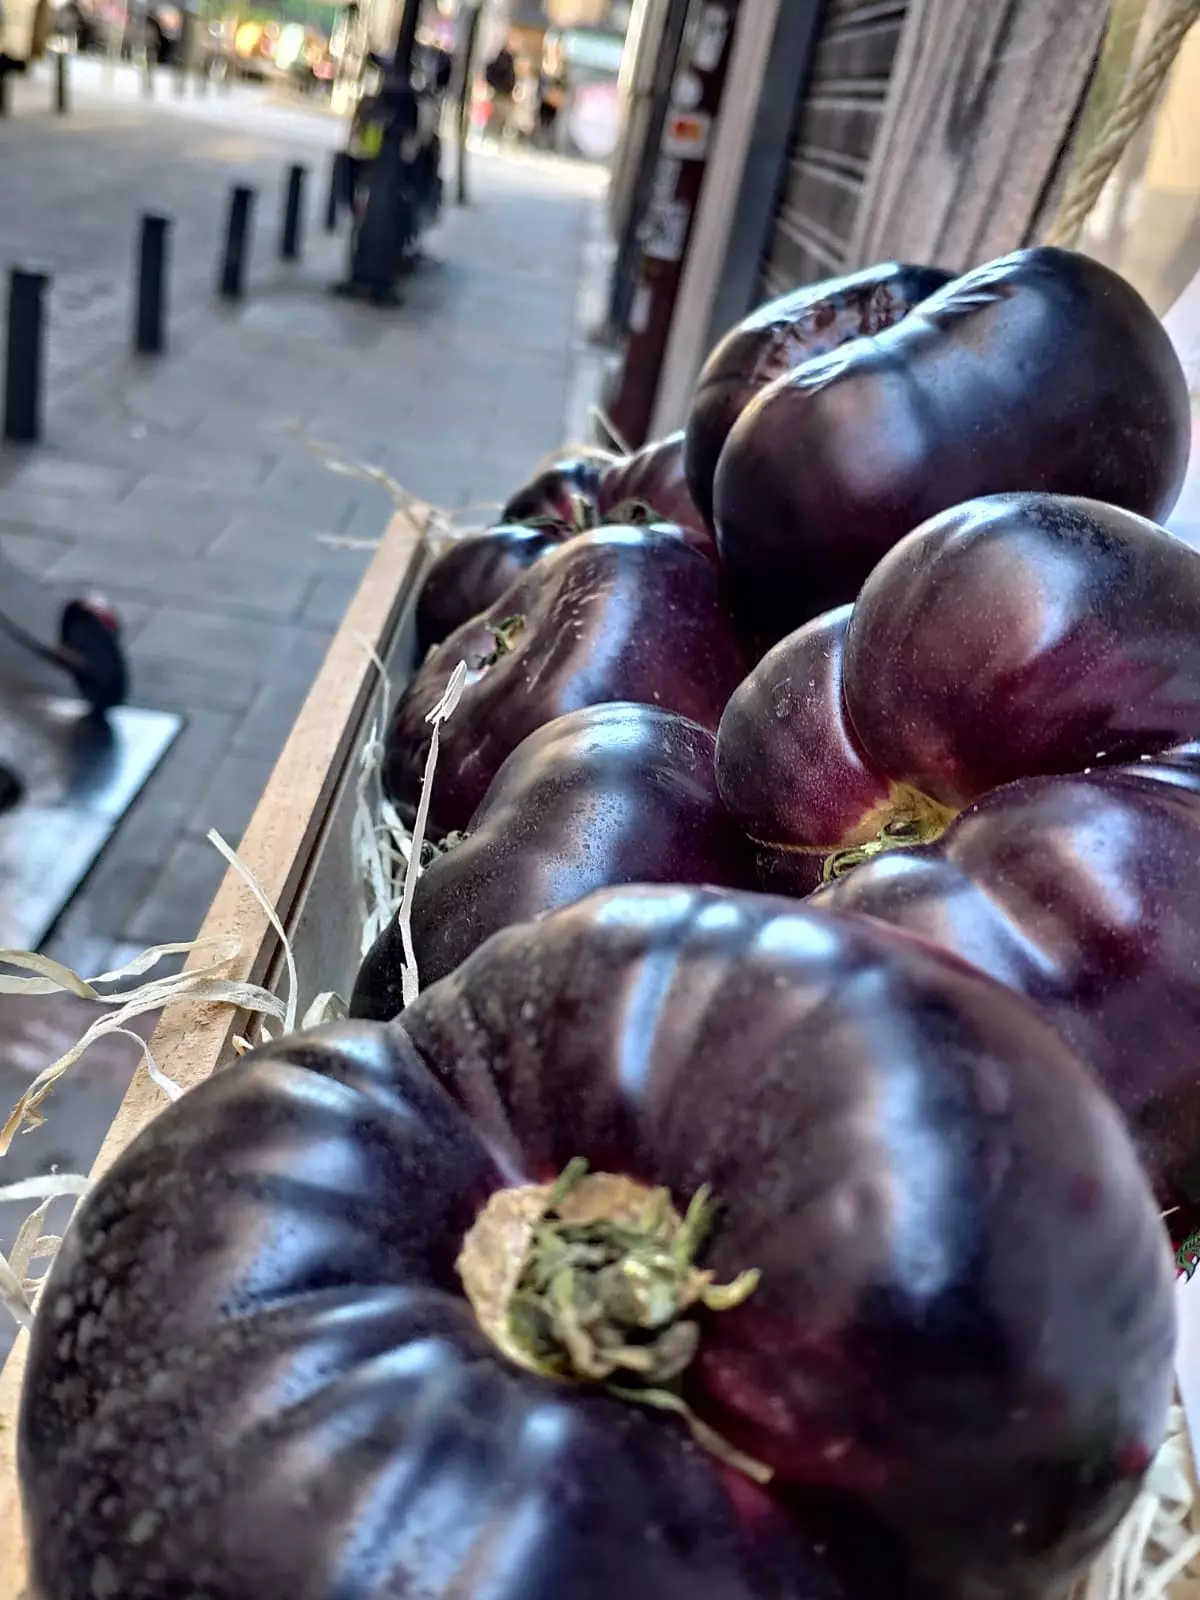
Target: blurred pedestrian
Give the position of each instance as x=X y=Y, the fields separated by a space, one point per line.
x=552 y=90
x=501 y=78
x=366 y=138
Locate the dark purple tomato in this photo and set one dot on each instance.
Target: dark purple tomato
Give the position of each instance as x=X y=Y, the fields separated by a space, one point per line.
x=561 y=491
x=609 y=795
x=471 y=574
x=1014 y=636
x=618 y=614
x=1082 y=893
x=653 y=475
x=789 y=766
x=258 y=1378
x=1042 y=371
x=781 y=335
x=257 y=1372
x=1024 y=634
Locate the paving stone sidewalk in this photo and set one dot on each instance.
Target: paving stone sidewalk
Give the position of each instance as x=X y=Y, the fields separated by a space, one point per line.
x=180 y=486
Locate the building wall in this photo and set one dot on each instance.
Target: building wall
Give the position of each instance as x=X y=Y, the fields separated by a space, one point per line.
x=577 y=13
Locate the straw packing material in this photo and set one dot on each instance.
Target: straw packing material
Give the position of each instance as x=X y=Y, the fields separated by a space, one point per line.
x=209 y=981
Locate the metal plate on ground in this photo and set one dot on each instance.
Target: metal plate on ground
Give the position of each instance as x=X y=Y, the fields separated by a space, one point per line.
x=81 y=774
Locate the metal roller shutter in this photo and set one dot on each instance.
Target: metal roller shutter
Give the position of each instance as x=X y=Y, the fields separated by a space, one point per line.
x=838 y=119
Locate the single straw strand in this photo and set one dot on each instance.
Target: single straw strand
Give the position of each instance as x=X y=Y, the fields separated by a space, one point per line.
x=409 y=977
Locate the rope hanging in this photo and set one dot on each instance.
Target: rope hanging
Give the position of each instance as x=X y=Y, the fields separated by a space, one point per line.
x=1134 y=103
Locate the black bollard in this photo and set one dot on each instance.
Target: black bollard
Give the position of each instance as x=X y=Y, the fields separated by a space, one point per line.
x=149 y=56
x=339 y=186
x=289 y=238
x=150 y=322
x=4 y=77
x=23 y=365
x=62 y=98
x=183 y=53
x=237 y=246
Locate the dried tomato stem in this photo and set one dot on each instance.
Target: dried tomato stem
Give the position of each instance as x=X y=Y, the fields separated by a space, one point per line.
x=431 y=851
x=591 y=1280
x=582 y=519
x=504 y=634
x=914 y=821
x=601 y=1297
x=634 y=514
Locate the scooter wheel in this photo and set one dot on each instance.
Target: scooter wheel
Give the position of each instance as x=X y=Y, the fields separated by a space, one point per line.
x=89 y=630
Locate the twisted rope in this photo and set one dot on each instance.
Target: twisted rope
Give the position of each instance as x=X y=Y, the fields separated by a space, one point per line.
x=1127 y=116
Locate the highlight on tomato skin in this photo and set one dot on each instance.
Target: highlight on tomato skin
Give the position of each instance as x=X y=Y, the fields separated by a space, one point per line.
x=946 y=1303
x=789 y=766
x=611 y=794
x=654 y=477
x=621 y=613
x=781 y=335
x=1043 y=371
x=556 y=492
x=471 y=575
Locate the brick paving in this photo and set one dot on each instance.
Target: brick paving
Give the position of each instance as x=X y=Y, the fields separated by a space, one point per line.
x=177 y=485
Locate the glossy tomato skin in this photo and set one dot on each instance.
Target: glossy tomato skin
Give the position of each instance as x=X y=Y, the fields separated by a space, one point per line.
x=1081 y=893
x=1011 y=637
x=471 y=574
x=556 y=491
x=964 y=1321
x=257 y=1378
x=963 y=1330
x=790 y=768
x=1041 y=371
x=619 y=614
x=1024 y=634
x=654 y=475
x=609 y=795
x=779 y=336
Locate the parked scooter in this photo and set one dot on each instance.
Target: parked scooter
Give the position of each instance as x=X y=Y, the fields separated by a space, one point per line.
x=396 y=154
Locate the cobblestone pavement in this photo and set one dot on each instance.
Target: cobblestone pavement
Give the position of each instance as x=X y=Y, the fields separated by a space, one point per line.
x=179 y=488
x=177 y=485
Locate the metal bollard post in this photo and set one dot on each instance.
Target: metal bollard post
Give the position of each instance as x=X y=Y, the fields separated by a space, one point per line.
x=62 y=98
x=150 y=330
x=4 y=91
x=112 y=52
x=183 y=54
x=23 y=366
x=237 y=248
x=339 y=185
x=289 y=238
x=148 y=56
